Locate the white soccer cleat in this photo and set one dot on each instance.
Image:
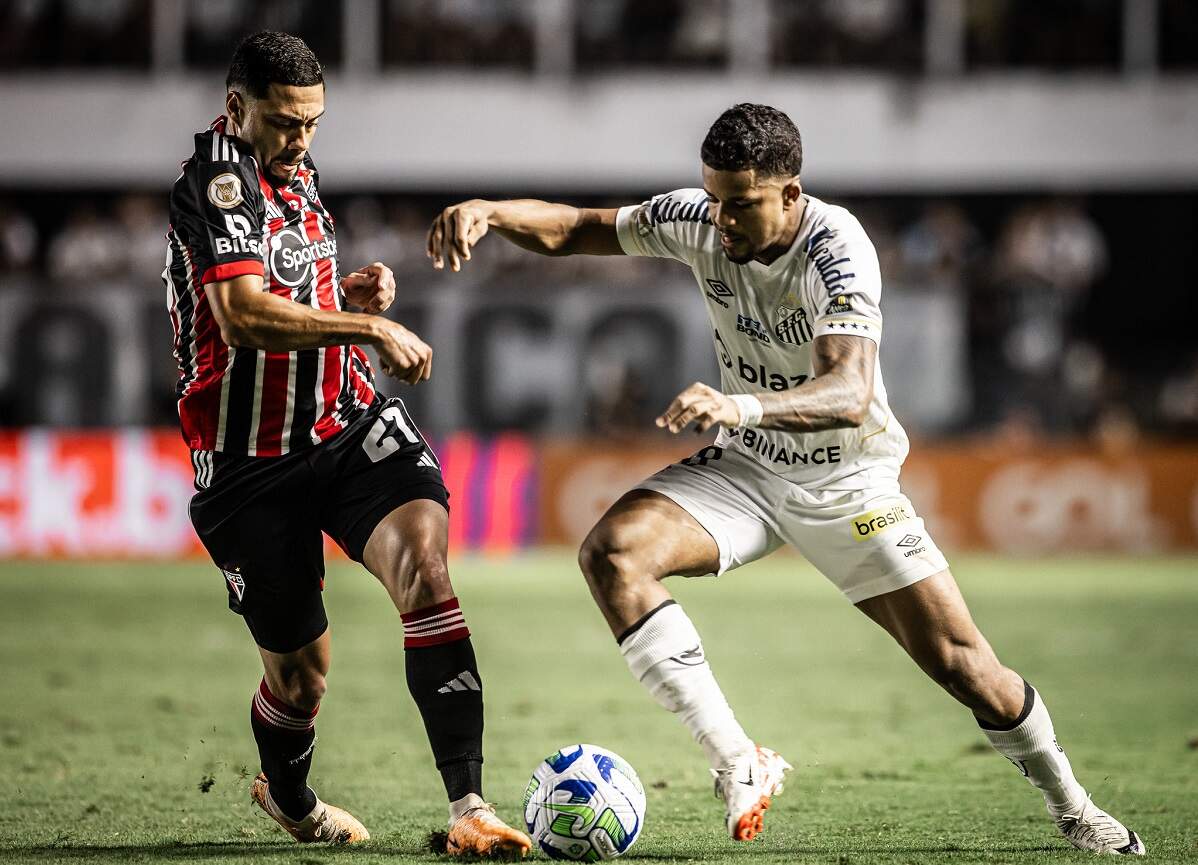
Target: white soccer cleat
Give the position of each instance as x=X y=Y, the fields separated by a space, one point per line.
x=746 y=786
x=1097 y=831
x=325 y=824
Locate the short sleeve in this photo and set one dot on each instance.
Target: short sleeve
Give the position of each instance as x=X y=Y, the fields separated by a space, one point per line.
x=671 y=225
x=217 y=211
x=846 y=283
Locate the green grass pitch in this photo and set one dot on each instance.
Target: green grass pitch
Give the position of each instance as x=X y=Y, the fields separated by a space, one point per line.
x=124 y=731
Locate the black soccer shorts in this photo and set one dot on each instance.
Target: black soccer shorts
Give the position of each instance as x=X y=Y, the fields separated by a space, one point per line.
x=261 y=518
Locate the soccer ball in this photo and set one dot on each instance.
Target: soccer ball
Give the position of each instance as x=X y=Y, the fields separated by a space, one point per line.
x=584 y=803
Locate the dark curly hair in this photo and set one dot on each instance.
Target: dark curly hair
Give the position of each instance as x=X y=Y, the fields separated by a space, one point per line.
x=267 y=58
x=752 y=136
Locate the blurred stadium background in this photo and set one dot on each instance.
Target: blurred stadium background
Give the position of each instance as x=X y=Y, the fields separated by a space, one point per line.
x=1027 y=170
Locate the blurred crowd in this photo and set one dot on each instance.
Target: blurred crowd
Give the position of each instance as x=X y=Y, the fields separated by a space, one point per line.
x=1033 y=283
x=881 y=34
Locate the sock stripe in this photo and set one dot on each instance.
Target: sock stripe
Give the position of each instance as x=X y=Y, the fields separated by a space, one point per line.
x=431 y=621
x=434 y=625
x=273 y=712
x=1029 y=702
x=640 y=623
x=433 y=610
x=448 y=620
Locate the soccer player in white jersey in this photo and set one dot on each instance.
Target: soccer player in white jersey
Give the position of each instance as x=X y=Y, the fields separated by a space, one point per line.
x=808 y=454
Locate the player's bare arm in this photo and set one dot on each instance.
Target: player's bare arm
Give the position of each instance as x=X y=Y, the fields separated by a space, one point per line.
x=538 y=226
x=837 y=397
x=252 y=318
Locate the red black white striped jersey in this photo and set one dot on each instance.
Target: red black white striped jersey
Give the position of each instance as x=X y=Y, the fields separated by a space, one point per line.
x=228 y=220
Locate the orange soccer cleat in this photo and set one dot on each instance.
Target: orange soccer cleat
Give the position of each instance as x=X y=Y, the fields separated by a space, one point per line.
x=479 y=832
x=325 y=824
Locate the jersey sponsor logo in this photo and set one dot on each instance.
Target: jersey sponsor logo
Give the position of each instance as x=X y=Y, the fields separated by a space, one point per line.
x=838 y=306
x=756 y=373
x=292 y=254
x=239 y=239
x=794 y=328
x=755 y=440
x=718 y=292
x=668 y=209
x=751 y=328
x=872 y=523
x=224 y=190
x=831 y=269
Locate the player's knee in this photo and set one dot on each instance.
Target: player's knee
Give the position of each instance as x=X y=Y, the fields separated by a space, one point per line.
x=303 y=688
x=422 y=580
x=609 y=559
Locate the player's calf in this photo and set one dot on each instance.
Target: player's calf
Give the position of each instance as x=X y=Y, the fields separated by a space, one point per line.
x=286 y=737
x=969 y=670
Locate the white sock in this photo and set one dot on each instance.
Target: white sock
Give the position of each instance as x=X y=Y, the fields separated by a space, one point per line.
x=1032 y=746
x=666 y=655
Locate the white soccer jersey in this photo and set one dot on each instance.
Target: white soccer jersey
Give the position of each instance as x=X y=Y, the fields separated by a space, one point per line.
x=764 y=318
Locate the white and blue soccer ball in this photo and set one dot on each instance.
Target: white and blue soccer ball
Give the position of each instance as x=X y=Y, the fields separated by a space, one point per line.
x=584 y=803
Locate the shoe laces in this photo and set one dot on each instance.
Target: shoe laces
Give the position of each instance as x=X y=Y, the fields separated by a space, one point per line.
x=1095 y=827
x=329 y=828
x=484 y=812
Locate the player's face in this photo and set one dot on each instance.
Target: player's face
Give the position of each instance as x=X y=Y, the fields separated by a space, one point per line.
x=754 y=214
x=280 y=126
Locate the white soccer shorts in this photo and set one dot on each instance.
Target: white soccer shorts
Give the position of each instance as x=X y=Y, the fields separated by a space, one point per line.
x=866 y=541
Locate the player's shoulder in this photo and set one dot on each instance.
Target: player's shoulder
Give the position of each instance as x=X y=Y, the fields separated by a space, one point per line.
x=681 y=205
x=837 y=254
x=832 y=223
x=221 y=169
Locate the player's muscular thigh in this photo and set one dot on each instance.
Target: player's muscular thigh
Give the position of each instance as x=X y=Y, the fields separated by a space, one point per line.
x=642 y=538
x=406 y=552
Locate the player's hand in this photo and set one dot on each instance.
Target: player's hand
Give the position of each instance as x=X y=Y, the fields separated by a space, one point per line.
x=454 y=232
x=701 y=405
x=403 y=354
x=372 y=288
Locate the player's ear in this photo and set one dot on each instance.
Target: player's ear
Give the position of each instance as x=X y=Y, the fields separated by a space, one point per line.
x=791 y=191
x=235 y=107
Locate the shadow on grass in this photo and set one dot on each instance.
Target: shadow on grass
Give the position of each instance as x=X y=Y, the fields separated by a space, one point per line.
x=168 y=851
x=838 y=852
x=223 y=850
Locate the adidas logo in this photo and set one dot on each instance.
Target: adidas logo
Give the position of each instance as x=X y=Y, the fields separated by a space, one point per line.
x=463 y=681
x=426 y=460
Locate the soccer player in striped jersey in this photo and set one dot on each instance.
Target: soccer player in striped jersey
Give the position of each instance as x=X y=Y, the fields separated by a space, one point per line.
x=289 y=439
x=808 y=455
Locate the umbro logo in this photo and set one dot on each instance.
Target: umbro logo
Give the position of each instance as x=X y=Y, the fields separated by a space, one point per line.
x=463 y=681
x=749 y=782
x=909 y=541
x=718 y=291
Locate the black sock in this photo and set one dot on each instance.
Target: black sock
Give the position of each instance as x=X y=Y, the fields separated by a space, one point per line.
x=286 y=738
x=444 y=681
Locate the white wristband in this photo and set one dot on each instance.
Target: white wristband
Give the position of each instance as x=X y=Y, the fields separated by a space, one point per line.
x=749 y=407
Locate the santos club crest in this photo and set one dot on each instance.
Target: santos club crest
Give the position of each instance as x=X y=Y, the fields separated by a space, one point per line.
x=794 y=328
